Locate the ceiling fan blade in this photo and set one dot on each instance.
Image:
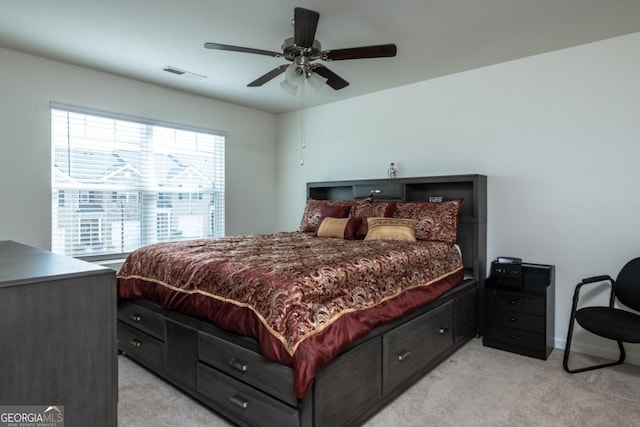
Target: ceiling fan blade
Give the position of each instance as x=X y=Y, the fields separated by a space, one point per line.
x=231 y=48
x=268 y=76
x=305 y=23
x=377 y=51
x=333 y=80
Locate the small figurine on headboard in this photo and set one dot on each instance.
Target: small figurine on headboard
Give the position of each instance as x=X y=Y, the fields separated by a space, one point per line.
x=393 y=171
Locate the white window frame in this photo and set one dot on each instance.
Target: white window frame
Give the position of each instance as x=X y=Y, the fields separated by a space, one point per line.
x=142 y=197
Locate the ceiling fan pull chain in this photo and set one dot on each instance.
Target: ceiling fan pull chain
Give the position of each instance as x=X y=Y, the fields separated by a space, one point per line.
x=303 y=144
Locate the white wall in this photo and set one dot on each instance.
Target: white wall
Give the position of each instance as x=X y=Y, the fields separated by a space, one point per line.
x=29 y=83
x=556 y=134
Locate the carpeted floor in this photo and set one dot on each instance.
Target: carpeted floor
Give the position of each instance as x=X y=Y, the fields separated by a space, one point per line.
x=477 y=386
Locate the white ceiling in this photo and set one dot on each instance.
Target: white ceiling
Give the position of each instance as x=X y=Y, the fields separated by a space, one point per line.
x=138 y=38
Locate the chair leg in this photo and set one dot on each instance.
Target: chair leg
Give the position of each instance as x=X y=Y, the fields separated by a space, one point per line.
x=572 y=319
x=567 y=348
x=567 y=351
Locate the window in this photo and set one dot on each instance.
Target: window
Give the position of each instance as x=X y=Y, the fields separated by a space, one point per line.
x=119 y=182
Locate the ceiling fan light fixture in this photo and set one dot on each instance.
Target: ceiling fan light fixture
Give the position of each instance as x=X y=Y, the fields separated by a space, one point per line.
x=289 y=88
x=315 y=81
x=294 y=74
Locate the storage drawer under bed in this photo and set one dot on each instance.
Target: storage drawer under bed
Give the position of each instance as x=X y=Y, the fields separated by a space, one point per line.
x=412 y=346
x=243 y=400
x=140 y=344
x=142 y=318
x=248 y=366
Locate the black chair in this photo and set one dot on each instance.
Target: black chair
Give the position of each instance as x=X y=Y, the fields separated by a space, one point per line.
x=606 y=321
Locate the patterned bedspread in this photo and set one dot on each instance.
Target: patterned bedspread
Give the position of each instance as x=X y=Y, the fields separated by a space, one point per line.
x=304 y=298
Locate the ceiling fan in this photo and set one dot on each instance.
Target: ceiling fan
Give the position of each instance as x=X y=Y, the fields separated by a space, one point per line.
x=302 y=49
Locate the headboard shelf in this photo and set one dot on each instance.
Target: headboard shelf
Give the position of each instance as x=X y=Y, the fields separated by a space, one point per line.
x=472 y=189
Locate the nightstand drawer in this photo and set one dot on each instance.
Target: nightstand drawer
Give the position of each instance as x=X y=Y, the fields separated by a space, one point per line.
x=518 y=302
x=514 y=319
x=142 y=318
x=516 y=337
x=131 y=340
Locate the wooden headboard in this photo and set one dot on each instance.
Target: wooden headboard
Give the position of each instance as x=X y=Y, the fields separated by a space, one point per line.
x=472 y=189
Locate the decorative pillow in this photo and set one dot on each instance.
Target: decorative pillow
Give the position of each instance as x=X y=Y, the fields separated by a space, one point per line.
x=391 y=229
x=340 y=228
x=376 y=209
x=335 y=211
x=434 y=221
x=368 y=208
x=351 y=231
x=313 y=212
x=329 y=211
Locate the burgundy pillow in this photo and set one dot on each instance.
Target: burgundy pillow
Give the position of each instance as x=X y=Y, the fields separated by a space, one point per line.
x=434 y=221
x=335 y=211
x=351 y=231
x=313 y=212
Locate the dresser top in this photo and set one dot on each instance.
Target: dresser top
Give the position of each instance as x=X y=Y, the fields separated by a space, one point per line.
x=22 y=264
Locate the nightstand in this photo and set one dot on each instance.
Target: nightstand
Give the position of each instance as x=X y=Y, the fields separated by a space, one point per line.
x=521 y=319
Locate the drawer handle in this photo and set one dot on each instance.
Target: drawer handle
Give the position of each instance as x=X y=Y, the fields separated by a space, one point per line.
x=512 y=336
x=376 y=191
x=238 y=365
x=135 y=342
x=404 y=355
x=513 y=318
x=513 y=302
x=239 y=401
x=135 y=317
x=443 y=330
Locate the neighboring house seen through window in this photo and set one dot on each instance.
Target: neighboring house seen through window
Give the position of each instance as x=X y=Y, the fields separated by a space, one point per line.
x=119 y=182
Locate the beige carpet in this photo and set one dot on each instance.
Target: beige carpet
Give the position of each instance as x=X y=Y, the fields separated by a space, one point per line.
x=477 y=386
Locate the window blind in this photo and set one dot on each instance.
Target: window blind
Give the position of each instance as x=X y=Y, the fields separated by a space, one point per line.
x=119 y=183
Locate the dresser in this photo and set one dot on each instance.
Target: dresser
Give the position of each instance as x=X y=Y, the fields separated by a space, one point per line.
x=58 y=335
x=521 y=319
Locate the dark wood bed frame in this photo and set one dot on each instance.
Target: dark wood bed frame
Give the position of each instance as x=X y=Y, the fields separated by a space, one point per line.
x=227 y=373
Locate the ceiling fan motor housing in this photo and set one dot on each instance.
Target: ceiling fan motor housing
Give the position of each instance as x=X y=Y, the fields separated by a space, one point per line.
x=291 y=51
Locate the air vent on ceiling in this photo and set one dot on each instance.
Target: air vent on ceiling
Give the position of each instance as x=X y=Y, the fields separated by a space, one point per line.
x=179 y=72
x=173 y=70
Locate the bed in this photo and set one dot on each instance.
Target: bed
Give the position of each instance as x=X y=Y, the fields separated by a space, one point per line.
x=322 y=326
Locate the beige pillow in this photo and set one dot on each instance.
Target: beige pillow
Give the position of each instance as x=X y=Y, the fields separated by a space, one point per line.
x=333 y=227
x=391 y=229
